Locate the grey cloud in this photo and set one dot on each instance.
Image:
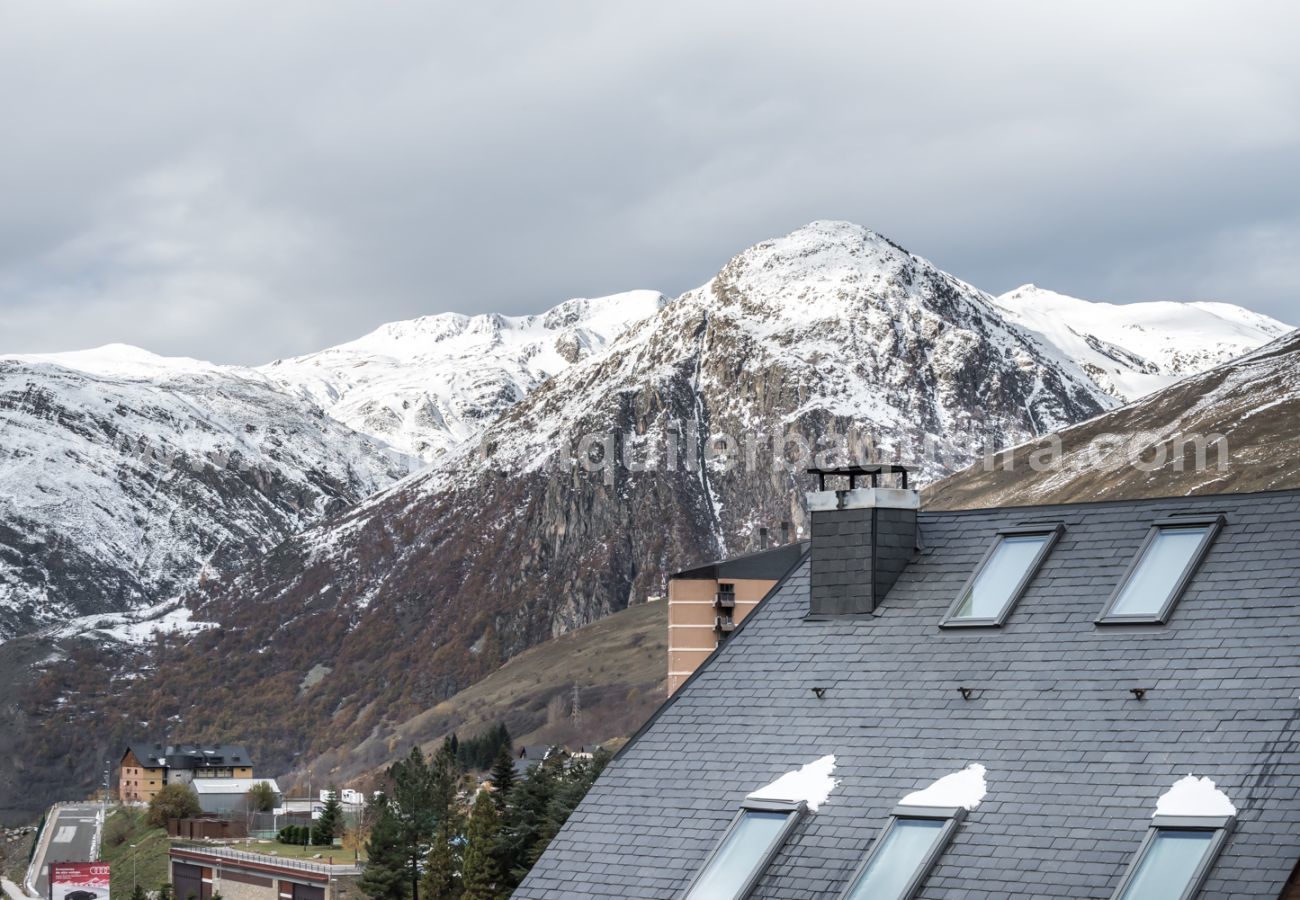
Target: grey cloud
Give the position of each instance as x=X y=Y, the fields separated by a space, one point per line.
x=242 y=181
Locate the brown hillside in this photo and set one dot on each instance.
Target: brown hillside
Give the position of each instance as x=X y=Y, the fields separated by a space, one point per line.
x=619 y=663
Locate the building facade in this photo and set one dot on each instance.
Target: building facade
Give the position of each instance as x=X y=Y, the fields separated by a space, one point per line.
x=707 y=603
x=145 y=768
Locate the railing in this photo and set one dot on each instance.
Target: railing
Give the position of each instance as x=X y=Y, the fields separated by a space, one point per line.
x=266 y=859
x=724 y=600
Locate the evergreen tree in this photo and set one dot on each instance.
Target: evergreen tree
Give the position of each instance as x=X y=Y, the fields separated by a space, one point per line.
x=421 y=794
x=503 y=776
x=385 y=876
x=165 y=891
x=330 y=823
x=443 y=867
x=525 y=819
x=480 y=877
x=138 y=893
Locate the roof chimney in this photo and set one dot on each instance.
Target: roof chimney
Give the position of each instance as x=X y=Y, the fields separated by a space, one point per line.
x=862 y=539
x=785 y=533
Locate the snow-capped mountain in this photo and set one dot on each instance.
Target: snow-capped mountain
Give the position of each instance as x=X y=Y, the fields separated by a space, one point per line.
x=125 y=476
x=513 y=534
x=427 y=384
x=1133 y=349
x=427 y=586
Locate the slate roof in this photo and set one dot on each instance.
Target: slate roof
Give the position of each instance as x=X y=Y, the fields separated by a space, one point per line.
x=762 y=564
x=1075 y=762
x=190 y=756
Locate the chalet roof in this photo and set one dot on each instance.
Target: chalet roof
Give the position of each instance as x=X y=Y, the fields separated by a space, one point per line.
x=1074 y=760
x=189 y=756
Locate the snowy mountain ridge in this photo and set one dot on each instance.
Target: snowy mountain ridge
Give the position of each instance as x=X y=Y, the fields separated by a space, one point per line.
x=1134 y=349
x=427 y=384
x=126 y=475
x=117 y=492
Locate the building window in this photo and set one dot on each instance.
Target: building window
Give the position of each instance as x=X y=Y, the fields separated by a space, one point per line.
x=904 y=854
x=1002 y=576
x=746 y=848
x=1174 y=858
x=1161 y=570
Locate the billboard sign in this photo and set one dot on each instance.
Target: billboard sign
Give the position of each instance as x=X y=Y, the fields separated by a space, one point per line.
x=79 y=881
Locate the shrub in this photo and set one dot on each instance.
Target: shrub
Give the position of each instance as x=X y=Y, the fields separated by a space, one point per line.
x=174 y=801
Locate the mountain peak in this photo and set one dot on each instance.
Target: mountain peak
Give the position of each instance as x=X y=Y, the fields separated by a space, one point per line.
x=119 y=361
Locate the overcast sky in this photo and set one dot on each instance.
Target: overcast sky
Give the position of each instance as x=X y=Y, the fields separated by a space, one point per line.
x=241 y=181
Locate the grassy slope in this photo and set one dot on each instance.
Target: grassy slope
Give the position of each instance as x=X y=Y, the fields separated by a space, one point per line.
x=123 y=828
x=619 y=662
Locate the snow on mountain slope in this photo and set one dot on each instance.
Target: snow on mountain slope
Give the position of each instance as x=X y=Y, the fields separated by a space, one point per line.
x=1131 y=350
x=429 y=585
x=861 y=333
x=118 y=491
x=427 y=384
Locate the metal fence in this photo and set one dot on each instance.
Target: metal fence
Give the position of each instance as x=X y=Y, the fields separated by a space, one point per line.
x=304 y=865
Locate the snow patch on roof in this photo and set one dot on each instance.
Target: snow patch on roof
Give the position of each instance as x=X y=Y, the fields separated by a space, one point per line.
x=963 y=789
x=811 y=784
x=1192 y=796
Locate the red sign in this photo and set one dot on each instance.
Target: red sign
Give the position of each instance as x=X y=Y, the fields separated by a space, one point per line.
x=79 y=881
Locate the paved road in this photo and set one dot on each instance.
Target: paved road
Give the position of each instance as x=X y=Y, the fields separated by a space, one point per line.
x=72 y=831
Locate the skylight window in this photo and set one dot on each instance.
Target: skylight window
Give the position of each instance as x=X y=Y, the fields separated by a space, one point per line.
x=748 y=846
x=1160 y=572
x=904 y=854
x=1002 y=576
x=1174 y=859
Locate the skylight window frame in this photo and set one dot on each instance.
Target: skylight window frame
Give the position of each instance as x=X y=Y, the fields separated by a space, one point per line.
x=1212 y=523
x=1221 y=826
x=796 y=810
x=1052 y=532
x=952 y=817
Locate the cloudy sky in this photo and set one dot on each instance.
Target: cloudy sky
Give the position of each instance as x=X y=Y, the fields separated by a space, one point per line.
x=245 y=180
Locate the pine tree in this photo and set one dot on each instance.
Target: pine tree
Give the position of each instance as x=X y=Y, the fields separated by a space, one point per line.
x=525 y=819
x=503 y=776
x=138 y=893
x=385 y=876
x=480 y=877
x=443 y=867
x=330 y=823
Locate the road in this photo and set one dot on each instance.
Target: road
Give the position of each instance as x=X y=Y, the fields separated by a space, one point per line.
x=72 y=832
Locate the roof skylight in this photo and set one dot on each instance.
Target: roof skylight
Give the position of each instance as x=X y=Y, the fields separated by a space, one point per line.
x=1173 y=861
x=1163 y=567
x=744 y=851
x=1003 y=575
x=904 y=854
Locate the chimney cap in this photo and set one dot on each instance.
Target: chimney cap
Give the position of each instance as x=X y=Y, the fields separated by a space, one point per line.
x=853 y=473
